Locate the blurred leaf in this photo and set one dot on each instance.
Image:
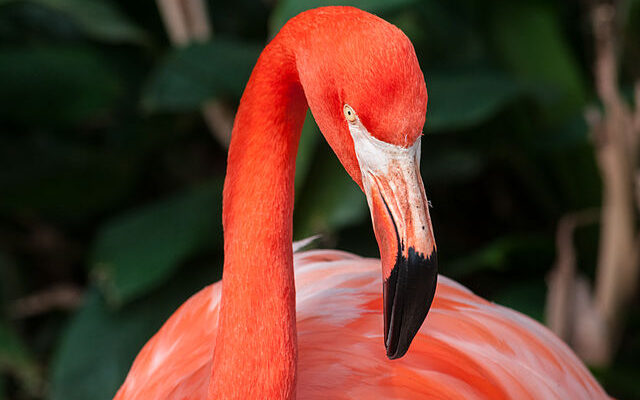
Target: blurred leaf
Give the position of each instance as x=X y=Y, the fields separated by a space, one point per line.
x=528 y=297
x=55 y=83
x=139 y=250
x=5 y=265
x=309 y=139
x=496 y=255
x=97 y=349
x=564 y=136
x=436 y=27
x=565 y=152
x=100 y=344
x=287 y=9
x=190 y=76
x=100 y=19
x=463 y=99
x=630 y=12
x=15 y=359
x=450 y=165
x=54 y=179
x=621 y=378
x=9 y=283
x=532 y=44
x=620 y=382
x=330 y=201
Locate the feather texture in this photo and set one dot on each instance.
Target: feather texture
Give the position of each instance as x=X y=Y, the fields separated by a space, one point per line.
x=468 y=348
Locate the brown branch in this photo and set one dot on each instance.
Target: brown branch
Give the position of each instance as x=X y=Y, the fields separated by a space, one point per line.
x=174 y=21
x=593 y=323
x=219 y=119
x=197 y=18
x=561 y=303
x=614 y=153
x=187 y=21
x=597 y=324
x=61 y=297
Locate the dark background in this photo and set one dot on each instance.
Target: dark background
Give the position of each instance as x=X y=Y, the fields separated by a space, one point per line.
x=110 y=178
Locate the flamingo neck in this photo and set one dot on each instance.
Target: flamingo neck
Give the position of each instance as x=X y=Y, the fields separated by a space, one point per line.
x=256 y=351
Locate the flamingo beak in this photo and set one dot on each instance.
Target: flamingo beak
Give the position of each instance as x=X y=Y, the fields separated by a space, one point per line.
x=400 y=214
x=402 y=226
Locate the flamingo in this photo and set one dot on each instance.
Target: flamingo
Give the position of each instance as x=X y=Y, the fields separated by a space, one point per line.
x=259 y=335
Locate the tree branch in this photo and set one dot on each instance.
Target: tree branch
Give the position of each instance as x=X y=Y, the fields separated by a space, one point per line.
x=60 y=297
x=187 y=21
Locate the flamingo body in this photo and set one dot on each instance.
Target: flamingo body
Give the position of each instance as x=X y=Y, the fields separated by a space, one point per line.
x=468 y=348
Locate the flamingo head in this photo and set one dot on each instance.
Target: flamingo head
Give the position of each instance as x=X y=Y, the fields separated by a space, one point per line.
x=367 y=93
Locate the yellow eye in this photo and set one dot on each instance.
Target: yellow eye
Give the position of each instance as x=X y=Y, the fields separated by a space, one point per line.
x=349 y=114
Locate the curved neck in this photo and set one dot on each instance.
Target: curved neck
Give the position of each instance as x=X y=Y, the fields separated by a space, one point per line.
x=255 y=353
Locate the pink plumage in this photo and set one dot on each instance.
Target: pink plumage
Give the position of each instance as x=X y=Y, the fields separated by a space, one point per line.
x=468 y=348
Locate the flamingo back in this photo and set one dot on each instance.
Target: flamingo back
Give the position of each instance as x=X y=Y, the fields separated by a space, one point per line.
x=468 y=348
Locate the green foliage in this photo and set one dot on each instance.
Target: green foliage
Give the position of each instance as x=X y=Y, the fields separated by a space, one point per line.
x=309 y=139
x=454 y=165
x=100 y=343
x=61 y=180
x=532 y=45
x=190 y=76
x=330 y=204
x=55 y=83
x=18 y=361
x=463 y=99
x=138 y=251
x=99 y=19
x=288 y=9
x=495 y=255
x=8 y=285
x=526 y=297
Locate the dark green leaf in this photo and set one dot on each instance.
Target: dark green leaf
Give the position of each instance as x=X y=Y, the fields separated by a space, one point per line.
x=60 y=180
x=100 y=343
x=496 y=255
x=287 y=9
x=309 y=139
x=9 y=282
x=198 y=73
x=569 y=135
x=98 y=348
x=450 y=165
x=138 y=251
x=527 y=297
x=620 y=381
x=463 y=99
x=100 y=19
x=49 y=84
x=532 y=44
x=330 y=201
x=16 y=360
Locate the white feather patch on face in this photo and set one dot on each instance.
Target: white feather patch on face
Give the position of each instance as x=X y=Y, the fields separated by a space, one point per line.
x=381 y=159
x=375 y=155
x=394 y=172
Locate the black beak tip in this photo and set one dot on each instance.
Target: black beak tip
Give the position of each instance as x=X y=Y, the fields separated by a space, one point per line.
x=408 y=293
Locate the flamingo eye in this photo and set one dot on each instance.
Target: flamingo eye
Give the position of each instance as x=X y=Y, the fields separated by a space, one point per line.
x=349 y=114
